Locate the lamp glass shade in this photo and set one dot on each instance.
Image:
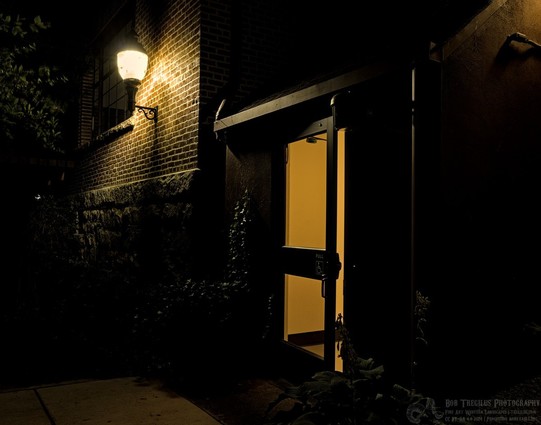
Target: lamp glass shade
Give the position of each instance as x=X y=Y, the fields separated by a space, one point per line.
x=132 y=64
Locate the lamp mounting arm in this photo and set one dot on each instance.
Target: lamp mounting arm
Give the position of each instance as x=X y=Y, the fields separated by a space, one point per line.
x=150 y=113
x=521 y=38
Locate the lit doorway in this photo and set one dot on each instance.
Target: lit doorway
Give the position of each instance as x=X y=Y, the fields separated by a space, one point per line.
x=314 y=241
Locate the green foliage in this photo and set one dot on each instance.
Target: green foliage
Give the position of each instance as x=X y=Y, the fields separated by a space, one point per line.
x=177 y=324
x=422 y=304
x=52 y=229
x=237 y=266
x=96 y=312
x=420 y=315
x=180 y=322
x=29 y=112
x=359 y=395
x=533 y=328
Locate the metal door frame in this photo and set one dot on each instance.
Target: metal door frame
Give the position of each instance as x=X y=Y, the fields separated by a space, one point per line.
x=329 y=266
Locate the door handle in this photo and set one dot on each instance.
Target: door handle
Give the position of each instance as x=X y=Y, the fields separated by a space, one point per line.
x=323 y=282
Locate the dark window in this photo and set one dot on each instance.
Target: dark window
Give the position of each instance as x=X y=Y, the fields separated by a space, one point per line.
x=103 y=97
x=110 y=99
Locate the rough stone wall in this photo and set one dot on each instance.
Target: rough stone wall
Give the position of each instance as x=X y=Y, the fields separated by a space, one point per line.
x=152 y=228
x=144 y=195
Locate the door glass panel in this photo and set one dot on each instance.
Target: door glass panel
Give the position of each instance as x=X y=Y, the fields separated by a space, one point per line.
x=304 y=313
x=305 y=227
x=306 y=167
x=306 y=192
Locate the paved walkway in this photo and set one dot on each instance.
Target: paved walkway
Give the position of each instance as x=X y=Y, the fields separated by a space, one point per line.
x=120 y=401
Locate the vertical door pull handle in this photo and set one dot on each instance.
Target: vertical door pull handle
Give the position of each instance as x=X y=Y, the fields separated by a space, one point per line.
x=323 y=281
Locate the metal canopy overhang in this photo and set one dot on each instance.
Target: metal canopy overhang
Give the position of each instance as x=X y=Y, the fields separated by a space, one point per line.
x=324 y=88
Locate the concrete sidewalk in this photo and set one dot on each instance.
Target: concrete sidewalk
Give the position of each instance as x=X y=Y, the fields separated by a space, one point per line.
x=119 y=401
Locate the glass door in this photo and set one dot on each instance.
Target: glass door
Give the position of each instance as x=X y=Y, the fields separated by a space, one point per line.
x=310 y=254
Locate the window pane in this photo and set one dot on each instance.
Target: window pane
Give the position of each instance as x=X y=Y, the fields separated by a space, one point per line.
x=306 y=193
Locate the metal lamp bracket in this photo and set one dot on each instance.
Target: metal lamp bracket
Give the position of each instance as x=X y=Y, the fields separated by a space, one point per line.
x=150 y=113
x=521 y=38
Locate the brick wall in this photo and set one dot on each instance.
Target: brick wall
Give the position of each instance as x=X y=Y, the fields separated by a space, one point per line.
x=244 y=51
x=147 y=178
x=200 y=52
x=169 y=31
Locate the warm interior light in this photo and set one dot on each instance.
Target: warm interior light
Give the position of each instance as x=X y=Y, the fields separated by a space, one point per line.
x=132 y=65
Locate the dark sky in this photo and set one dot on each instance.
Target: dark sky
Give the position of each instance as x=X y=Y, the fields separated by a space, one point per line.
x=442 y=17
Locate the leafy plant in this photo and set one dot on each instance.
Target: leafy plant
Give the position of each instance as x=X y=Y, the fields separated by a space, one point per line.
x=533 y=328
x=28 y=112
x=180 y=320
x=420 y=311
x=422 y=305
x=359 y=395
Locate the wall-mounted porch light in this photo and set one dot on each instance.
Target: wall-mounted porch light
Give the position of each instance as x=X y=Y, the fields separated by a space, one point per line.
x=132 y=62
